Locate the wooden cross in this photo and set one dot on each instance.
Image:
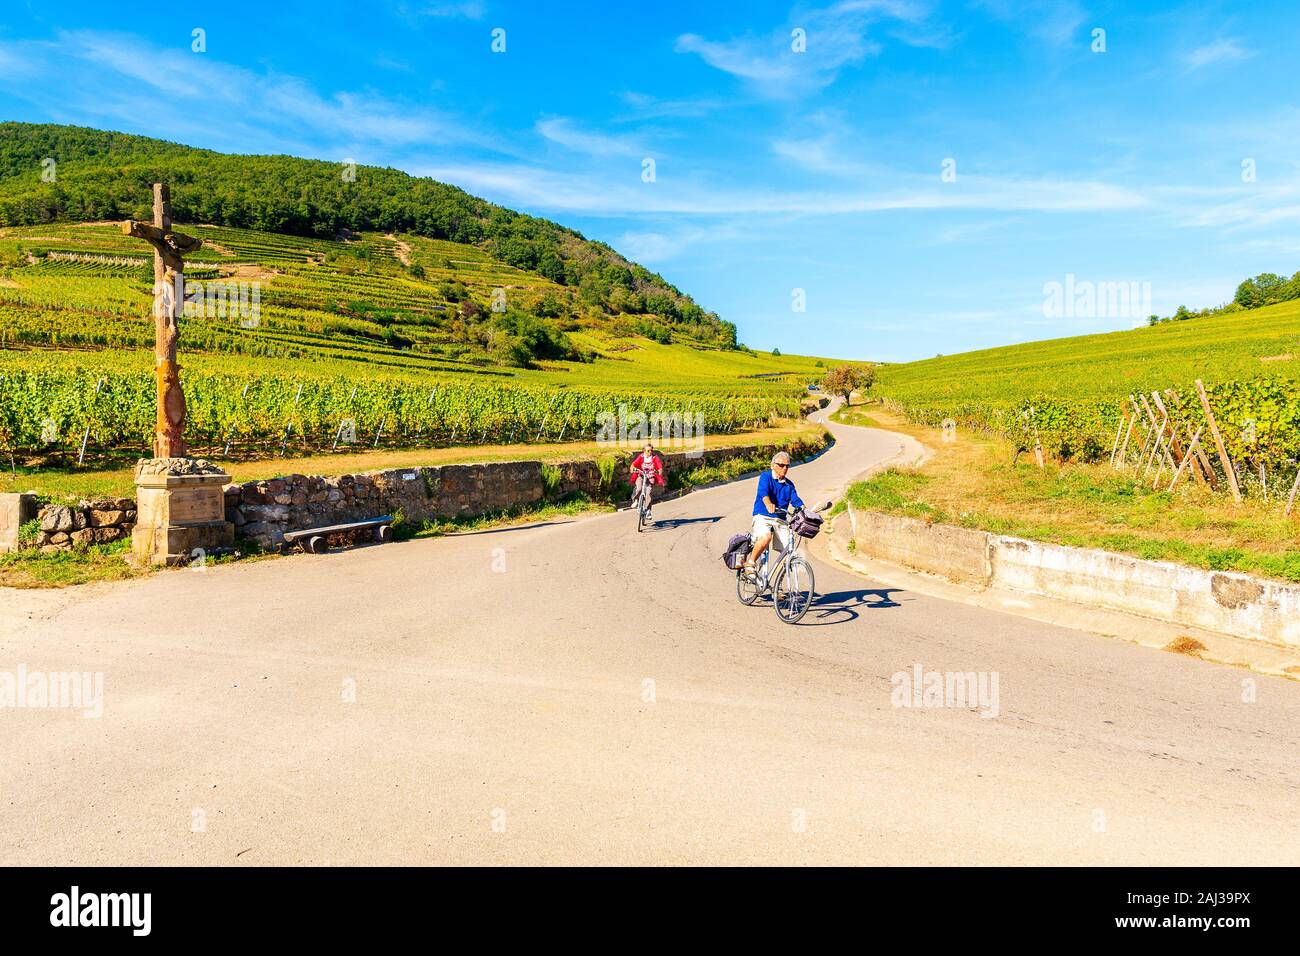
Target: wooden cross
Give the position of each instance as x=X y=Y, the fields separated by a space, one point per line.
x=168 y=306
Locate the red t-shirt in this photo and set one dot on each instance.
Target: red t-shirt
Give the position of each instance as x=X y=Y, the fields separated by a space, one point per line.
x=655 y=463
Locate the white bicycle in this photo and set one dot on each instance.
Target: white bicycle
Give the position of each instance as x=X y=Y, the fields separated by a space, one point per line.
x=790 y=579
x=644 y=492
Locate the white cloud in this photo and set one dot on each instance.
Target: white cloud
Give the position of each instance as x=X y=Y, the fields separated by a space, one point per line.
x=563 y=132
x=1228 y=49
x=124 y=78
x=1055 y=23
x=469 y=10
x=835 y=38
x=601 y=195
x=649 y=107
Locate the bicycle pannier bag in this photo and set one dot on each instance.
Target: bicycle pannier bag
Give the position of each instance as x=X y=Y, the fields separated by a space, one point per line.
x=806 y=524
x=737 y=551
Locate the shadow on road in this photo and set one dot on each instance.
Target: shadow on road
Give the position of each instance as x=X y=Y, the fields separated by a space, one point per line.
x=503 y=530
x=840 y=607
x=670 y=523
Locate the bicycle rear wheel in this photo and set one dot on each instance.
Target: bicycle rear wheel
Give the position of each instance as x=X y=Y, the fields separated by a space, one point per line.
x=792 y=591
x=748 y=589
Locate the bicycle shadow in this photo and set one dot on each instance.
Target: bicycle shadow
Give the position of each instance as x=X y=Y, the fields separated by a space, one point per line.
x=841 y=607
x=667 y=524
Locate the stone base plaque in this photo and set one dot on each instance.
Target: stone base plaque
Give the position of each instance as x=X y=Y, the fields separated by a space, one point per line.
x=180 y=510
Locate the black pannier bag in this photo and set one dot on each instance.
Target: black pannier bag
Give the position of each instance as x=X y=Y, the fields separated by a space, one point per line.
x=806 y=524
x=737 y=551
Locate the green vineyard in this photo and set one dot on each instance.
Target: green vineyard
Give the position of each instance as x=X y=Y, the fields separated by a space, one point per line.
x=293 y=344
x=54 y=406
x=1071 y=394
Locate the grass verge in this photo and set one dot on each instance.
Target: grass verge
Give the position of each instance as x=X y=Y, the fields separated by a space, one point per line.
x=973 y=483
x=854 y=415
x=29 y=568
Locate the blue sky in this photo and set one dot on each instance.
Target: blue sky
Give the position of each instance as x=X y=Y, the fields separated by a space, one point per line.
x=775 y=170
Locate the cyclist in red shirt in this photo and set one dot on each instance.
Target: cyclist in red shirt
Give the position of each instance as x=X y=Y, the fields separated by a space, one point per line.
x=651 y=462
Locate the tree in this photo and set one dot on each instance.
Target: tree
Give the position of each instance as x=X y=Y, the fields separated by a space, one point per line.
x=776 y=352
x=846 y=379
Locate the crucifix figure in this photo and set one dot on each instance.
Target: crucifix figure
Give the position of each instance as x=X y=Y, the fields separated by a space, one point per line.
x=168 y=306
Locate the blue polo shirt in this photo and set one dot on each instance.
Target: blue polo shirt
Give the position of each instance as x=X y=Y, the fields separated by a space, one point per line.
x=780 y=491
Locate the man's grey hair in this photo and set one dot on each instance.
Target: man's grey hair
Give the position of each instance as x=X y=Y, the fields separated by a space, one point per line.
x=781 y=458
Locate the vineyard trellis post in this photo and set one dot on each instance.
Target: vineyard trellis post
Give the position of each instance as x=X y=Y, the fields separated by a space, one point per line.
x=168 y=305
x=1218 y=442
x=428 y=404
x=1202 y=459
x=230 y=434
x=1175 y=445
x=288 y=426
x=1290 y=501
x=542 y=427
x=85 y=436
x=1114 y=445
x=1186 y=458
x=338 y=432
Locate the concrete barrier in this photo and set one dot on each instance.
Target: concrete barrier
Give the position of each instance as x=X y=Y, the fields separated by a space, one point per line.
x=1237 y=604
x=957 y=554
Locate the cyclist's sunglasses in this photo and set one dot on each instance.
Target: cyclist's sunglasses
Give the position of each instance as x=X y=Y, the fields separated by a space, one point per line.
x=781 y=464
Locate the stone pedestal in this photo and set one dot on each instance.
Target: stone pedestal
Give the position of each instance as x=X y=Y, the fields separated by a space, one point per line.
x=15 y=511
x=180 y=509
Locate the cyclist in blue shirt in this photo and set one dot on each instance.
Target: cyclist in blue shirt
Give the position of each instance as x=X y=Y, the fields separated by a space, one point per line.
x=775 y=494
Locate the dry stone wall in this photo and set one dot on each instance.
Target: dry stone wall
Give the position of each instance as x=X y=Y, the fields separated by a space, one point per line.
x=262 y=511
x=102 y=521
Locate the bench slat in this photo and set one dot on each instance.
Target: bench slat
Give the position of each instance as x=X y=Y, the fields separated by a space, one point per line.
x=335 y=528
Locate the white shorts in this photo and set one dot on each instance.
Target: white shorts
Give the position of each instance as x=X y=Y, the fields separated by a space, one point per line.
x=763 y=524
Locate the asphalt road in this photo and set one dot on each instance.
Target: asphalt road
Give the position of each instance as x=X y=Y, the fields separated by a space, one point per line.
x=577 y=693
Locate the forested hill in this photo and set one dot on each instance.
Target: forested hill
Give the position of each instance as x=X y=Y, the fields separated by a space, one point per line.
x=100 y=175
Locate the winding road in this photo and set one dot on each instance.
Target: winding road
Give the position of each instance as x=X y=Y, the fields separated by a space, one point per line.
x=572 y=692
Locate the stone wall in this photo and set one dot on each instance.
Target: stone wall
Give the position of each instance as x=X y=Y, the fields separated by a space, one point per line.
x=262 y=511
x=64 y=527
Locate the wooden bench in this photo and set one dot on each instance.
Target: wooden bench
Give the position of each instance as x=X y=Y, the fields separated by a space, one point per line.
x=316 y=540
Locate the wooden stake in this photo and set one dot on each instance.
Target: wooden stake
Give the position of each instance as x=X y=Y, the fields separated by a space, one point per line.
x=1186 y=458
x=1124 y=450
x=1165 y=458
x=1291 y=500
x=1175 y=445
x=1147 y=429
x=1114 y=446
x=1202 y=459
x=1218 y=443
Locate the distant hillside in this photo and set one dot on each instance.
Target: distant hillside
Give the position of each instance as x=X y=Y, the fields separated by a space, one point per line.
x=107 y=176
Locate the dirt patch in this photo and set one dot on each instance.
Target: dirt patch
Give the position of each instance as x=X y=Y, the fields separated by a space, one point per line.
x=9 y=284
x=1185 y=645
x=247 y=270
x=1277 y=358
x=1234 y=592
x=401 y=249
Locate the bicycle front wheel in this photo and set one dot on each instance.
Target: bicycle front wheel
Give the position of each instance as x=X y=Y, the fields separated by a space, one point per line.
x=748 y=588
x=792 y=591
